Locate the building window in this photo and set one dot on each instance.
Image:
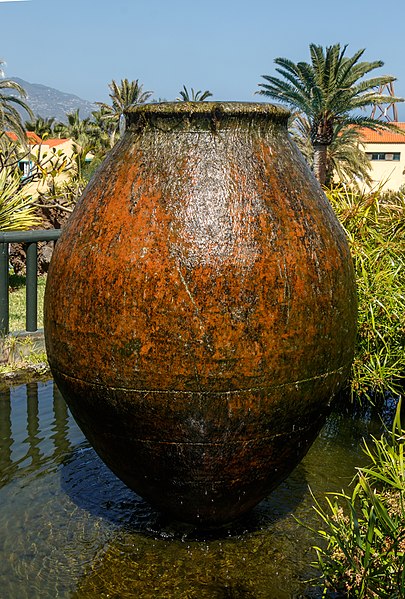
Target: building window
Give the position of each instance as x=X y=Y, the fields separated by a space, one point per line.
x=383 y=155
x=26 y=168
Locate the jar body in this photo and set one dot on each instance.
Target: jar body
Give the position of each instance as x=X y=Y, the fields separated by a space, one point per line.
x=200 y=308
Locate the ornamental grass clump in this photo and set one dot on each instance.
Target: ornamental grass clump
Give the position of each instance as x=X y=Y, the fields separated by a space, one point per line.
x=375 y=227
x=363 y=549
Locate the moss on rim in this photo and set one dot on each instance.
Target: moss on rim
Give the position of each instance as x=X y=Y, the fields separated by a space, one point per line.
x=210 y=110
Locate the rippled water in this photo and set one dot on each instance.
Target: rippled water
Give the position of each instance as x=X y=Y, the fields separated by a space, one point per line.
x=69 y=528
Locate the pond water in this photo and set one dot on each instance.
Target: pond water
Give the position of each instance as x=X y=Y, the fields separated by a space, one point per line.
x=70 y=529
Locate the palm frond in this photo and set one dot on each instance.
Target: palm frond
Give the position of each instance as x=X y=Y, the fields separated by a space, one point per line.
x=194 y=96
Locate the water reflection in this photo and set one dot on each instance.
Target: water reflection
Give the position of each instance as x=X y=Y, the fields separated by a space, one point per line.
x=25 y=443
x=70 y=528
x=6 y=439
x=93 y=487
x=262 y=555
x=32 y=439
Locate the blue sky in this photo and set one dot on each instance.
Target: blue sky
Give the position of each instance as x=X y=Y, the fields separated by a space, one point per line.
x=79 y=46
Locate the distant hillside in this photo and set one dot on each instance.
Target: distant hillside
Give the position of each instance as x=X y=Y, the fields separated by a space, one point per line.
x=49 y=102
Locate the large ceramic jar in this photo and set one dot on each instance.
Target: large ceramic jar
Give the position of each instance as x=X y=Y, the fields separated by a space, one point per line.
x=200 y=307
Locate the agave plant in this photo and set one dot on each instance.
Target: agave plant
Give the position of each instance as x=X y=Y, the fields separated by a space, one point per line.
x=17 y=212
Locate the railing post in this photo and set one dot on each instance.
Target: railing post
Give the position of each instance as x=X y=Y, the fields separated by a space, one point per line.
x=31 y=238
x=31 y=287
x=4 y=306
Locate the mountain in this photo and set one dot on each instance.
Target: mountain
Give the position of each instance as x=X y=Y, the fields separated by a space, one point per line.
x=50 y=102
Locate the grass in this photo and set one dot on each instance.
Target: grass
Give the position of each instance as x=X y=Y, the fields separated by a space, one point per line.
x=363 y=535
x=19 y=354
x=17 y=302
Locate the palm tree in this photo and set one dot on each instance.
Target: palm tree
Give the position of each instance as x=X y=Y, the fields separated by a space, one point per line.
x=123 y=96
x=43 y=127
x=198 y=96
x=104 y=129
x=91 y=139
x=346 y=159
x=329 y=91
x=75 y=128
x=10 y=118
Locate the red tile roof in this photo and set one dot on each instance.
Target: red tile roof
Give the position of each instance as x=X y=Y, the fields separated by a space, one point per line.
x=383 y=137
x=35 y=140
x=32 y=137
x=53 y=142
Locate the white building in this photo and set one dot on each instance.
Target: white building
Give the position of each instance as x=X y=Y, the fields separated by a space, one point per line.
x=386 y=152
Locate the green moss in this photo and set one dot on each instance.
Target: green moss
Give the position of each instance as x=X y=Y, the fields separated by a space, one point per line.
x=226 y=108
x=204 y=115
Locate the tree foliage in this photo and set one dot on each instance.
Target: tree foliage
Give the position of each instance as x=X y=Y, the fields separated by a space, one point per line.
x=75 y=128
x=42 y=126
x=330 y=91
x=193 y=96
x=10 y=118
x=123 y=96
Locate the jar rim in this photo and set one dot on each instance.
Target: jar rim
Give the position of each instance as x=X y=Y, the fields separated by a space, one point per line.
x=213 y=109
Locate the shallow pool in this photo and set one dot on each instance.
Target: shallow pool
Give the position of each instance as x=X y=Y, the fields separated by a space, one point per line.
x=70 y=528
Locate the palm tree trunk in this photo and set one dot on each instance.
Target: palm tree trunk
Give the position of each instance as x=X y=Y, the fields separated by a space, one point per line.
x=320 y=162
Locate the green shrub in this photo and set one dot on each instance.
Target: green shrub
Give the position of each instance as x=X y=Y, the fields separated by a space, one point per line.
x=375 y=227
x=363 y=552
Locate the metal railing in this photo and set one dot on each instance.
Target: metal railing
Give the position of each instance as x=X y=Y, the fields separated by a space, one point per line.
x=30 y=239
